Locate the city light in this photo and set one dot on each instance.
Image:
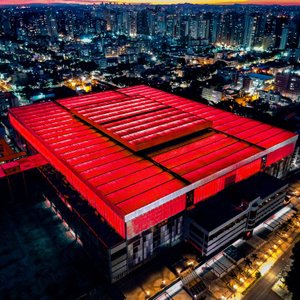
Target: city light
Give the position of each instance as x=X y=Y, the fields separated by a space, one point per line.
x=190 y=263
x=265 y=268
x=152 y=132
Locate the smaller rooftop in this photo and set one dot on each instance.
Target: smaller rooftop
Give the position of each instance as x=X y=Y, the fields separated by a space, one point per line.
x=137 y=122
x=238 y=253
x=260 y=76
x=234 y=200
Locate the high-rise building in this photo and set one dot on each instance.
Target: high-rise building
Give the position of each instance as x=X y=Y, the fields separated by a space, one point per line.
x=143 y=22
x=269 y=39
x=281 y=23
x=288 y=84
x=52 y=25
x=254 y=30
x=111 y=20
x=132 y=23
x=184 y=26
x=213 y=24
x=194 y=27
x=6 y=26
x=284 y=38
x=172 y=25
x=203 y=31
x=294 y=34
x=231 y=29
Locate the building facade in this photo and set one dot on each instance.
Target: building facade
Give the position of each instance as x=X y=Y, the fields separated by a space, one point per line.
x=237 y=211
x=139 y=159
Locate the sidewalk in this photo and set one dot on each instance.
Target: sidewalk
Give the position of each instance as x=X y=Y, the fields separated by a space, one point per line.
x=236 y=283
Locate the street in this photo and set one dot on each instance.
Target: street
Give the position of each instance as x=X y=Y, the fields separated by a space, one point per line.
x=263 y=288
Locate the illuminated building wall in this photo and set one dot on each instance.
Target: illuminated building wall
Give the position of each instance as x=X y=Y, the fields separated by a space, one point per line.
x=104 y=170
x=140 y=157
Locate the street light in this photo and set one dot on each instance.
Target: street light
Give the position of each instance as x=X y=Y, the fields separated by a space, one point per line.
x=190 y=263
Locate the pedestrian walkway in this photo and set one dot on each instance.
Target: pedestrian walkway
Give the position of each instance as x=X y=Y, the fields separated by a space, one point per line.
x=240 y=277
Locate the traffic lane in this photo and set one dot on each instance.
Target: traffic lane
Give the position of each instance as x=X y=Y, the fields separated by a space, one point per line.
x=262 y=289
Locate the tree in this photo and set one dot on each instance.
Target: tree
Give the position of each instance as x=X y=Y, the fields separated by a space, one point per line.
x=254 y=256
x=248 y=262
x=233 y=275
x=257 y=275
x=292 y=278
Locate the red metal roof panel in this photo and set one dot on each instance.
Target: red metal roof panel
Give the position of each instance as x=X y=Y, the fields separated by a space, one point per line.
x=93 y=140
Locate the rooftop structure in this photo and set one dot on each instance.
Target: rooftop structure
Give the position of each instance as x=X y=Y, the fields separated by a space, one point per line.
x=21 y=165
x=136 y=153
x=12 y=162
x=233 y=201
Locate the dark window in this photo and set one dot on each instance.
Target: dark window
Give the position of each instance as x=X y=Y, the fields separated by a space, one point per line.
x=118 y=254
x=196 y=230
x=136 y=243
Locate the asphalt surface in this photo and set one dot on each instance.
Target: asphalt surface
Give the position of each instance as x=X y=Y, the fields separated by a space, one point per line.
x=262 y=289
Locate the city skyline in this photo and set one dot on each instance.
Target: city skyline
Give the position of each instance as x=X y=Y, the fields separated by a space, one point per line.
x=149 y=150
x=208 y=2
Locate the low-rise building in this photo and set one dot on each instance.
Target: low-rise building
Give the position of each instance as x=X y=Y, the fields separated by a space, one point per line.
x=236 y=211
x=211 y=95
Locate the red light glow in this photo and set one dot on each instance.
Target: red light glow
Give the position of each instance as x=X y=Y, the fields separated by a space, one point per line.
x=120 y=182
x=280 y=153
x=155 y=216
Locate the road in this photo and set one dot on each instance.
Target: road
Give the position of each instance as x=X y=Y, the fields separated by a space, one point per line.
x=263 y=288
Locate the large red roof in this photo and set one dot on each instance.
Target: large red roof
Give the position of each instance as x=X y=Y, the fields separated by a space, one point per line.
x=204 y=156
x=136 y=121
x=132 y=150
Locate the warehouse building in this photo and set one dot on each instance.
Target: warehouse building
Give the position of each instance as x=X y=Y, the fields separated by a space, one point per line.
x=139 y=159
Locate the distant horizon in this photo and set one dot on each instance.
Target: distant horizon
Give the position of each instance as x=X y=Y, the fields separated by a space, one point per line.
x=158 y=2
